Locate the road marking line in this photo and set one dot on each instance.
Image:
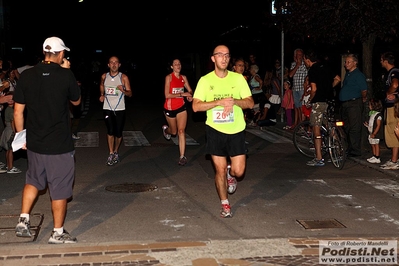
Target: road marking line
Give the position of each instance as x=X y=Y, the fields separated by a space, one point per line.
x=269 y=136
x=189 y=141
x=389 y=186
x=87 y=139
x=135 y=138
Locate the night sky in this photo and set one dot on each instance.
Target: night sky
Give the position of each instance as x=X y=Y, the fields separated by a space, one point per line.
x=145 y=26
x=147 y=33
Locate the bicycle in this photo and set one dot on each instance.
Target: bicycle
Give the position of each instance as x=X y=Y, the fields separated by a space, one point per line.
x=333 y=138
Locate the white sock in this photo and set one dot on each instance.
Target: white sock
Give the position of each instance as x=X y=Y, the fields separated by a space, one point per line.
x=59 y=230
x=226 y=201
x=25 y=215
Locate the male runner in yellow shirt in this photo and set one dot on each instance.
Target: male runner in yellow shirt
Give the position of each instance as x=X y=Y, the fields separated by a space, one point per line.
x=223 y=95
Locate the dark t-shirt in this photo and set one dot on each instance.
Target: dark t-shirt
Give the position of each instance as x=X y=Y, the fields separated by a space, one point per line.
x=322 y=75
x=393 y=73
x=46 y=90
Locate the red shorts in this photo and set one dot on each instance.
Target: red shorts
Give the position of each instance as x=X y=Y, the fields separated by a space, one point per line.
x=306 y=111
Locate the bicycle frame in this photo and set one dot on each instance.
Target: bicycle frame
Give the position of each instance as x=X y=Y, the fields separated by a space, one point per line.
x=333 y=138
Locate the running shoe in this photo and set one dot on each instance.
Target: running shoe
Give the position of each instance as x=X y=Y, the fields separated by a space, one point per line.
x=14 y=170
x=116 y=158
x=182 y=160
x=315 y=162
x=374 y=160
x=75 y=137
x=389 y=162
x=64 y=238
x=23 y=228
x=165 y=135
x=231 y=182
x=226 y=211
x=110 y=160
x=390 y=166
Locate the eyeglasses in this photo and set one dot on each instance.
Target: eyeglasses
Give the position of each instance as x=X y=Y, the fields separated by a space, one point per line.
x=221 y=55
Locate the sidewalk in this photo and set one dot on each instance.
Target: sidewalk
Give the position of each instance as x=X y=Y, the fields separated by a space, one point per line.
x=385 y=153
x=172 y=253
x=282 y=251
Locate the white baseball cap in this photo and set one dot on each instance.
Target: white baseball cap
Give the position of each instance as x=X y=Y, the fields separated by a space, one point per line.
x=54 y=44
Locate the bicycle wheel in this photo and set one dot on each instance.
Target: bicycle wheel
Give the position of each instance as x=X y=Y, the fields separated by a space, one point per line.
x=303 y=139
x=336 y=147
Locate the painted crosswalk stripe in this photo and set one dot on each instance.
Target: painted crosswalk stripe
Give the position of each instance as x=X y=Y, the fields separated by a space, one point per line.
x=189 y=141
x=87 y=139
x=387 y=185
x=135 y=138
x=269 y=136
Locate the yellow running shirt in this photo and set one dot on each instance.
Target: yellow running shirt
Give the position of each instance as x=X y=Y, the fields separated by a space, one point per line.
x=210 y=88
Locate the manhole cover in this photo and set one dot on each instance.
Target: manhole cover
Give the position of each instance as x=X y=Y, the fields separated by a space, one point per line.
x=131 y=188
x=321 y=224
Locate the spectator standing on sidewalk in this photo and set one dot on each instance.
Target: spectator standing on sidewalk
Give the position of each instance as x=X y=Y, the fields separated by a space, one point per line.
x=375 y=129
x=352 y=96
x=239 y=67
x=31 y=61
x=322 y=80
x=252 y=60
x=288 y=104
x=50 y=148
x=4 y=99
x=297 y=73
x=396 y=112
x=391 y=121
x=256 y=85
x=224 y=95
x=7 y=137
x=275 y=93
x=255 y=81
x=114 y=86
x=175 y=109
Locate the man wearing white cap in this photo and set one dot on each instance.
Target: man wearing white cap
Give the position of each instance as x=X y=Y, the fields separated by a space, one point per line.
x=45 y=90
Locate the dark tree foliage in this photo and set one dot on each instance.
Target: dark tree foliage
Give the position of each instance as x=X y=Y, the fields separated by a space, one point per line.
x=333 y=21
x=342 y=21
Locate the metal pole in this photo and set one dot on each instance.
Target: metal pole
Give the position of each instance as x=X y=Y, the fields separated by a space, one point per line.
x=282 y=70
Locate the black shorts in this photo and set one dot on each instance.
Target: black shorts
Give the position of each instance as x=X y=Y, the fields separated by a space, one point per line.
x=221 y=144
x=115 y=122
x=173 y=113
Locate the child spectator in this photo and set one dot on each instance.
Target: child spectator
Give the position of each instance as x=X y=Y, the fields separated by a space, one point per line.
x=7 y=137
x=288 y=104
x=305 y=97
x=375 y=129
